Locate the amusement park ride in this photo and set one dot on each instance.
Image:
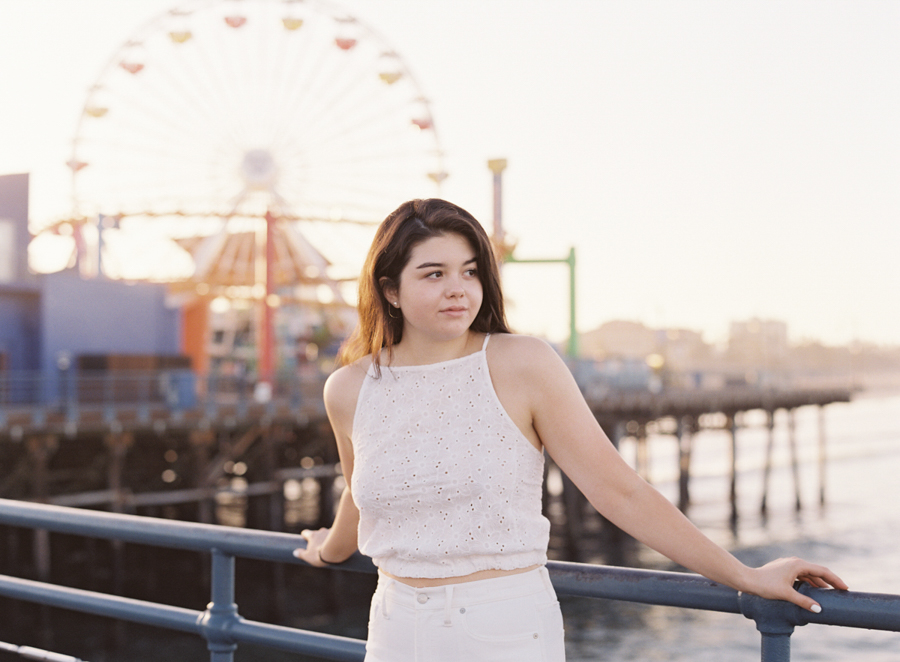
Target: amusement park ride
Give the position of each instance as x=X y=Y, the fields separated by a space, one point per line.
x=235 y=130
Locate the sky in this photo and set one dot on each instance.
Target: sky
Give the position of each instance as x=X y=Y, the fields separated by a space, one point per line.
x=709 y=161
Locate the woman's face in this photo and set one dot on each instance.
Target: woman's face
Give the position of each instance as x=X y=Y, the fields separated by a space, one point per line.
x=440 y=288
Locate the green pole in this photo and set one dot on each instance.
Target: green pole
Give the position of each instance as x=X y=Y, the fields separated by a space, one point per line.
x=573 y=331
x=572 y=345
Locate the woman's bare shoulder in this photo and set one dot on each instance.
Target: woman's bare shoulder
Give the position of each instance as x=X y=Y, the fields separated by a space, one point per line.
x=342 y=388
x=521 y=355
x=520 y=349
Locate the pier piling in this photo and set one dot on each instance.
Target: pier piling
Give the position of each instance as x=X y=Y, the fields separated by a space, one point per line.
x=767 y=468
x=685 y=437
x=823 y=457
x=731 y=426
x=795 y=464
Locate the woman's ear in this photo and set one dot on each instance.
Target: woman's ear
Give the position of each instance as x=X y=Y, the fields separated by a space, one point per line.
x=389 y=290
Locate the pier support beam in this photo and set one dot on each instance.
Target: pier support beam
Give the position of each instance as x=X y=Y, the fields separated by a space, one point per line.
x=642 y=454
x=272 y=438
x=117 y=445
x=767 y=468
x=202 y=442
x=731 y=425
x=612 y=538
x=795 y=463
x=823 y=456
x=573 y=503
x=685 y=434
x=327 y=503
x=40 y=449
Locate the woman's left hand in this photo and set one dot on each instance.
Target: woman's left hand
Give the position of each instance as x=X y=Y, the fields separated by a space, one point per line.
x=314 y=541
x=775 y=581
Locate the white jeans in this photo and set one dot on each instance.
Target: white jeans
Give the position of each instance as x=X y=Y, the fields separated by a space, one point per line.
x=514 y=618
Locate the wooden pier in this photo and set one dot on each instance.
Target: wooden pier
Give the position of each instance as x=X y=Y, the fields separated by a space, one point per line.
x=627 y=415
x=688 y=409
x=273 y=465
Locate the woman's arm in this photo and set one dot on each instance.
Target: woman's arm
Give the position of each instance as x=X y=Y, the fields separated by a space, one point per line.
x=575 y=441
x=337 y=543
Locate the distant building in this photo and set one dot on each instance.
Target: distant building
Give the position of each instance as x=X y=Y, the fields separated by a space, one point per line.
x=683 y=349
x=758 y=342
x=631 y=355
x=619 y=339
x=623 y=355
x=52 y=322
x=678 y=349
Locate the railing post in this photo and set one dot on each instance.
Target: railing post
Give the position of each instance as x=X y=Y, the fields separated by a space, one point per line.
x=775 y=620
x=221 y=613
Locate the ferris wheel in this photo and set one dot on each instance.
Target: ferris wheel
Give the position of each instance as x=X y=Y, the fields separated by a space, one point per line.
x=235 y=108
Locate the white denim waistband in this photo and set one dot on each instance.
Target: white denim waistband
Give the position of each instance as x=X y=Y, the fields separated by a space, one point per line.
x=456 y=596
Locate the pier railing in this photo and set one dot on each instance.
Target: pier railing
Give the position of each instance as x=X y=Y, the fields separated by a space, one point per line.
x=176 y=389
x=223 y=628
x=66 y=401
x=71 y=401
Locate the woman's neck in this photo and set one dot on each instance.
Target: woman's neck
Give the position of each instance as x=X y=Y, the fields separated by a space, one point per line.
x=419 y=351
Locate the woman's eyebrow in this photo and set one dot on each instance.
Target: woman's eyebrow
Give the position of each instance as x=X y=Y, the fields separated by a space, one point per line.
x=431 y=265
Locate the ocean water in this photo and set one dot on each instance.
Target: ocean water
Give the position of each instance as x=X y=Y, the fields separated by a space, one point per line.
x=856 y=534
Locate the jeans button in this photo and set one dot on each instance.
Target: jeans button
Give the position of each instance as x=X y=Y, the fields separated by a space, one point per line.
x=422 y=598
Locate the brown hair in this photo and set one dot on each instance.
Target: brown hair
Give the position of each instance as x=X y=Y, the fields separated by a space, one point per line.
x=410 y=224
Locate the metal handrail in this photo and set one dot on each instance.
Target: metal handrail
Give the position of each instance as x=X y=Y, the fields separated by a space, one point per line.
x=223 y=628
x=36 y=653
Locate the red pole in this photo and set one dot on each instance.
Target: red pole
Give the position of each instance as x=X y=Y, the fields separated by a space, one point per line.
x=80 y=250
x=267 y=344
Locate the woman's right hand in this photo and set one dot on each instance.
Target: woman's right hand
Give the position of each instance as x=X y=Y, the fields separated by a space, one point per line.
x=776 y=580
x=314 y=541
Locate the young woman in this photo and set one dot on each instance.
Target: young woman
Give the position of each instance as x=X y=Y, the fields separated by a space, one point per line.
x=441 y=417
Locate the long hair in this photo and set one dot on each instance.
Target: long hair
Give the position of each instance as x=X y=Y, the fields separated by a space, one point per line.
x=380 y=326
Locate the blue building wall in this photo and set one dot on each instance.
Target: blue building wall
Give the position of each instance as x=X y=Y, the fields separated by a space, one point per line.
x=20 y=328
x=44 y=317
x=104 y=317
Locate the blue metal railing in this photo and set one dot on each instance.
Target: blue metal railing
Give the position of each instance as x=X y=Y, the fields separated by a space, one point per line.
x=223 y=628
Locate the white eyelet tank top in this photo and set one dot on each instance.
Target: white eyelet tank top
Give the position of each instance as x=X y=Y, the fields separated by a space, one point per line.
x=445 y=483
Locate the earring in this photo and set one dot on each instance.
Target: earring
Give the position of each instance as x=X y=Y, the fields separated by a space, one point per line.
x=391 y=313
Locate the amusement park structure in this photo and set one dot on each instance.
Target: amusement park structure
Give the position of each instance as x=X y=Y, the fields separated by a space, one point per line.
x=250 y=146
x=506 y=249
